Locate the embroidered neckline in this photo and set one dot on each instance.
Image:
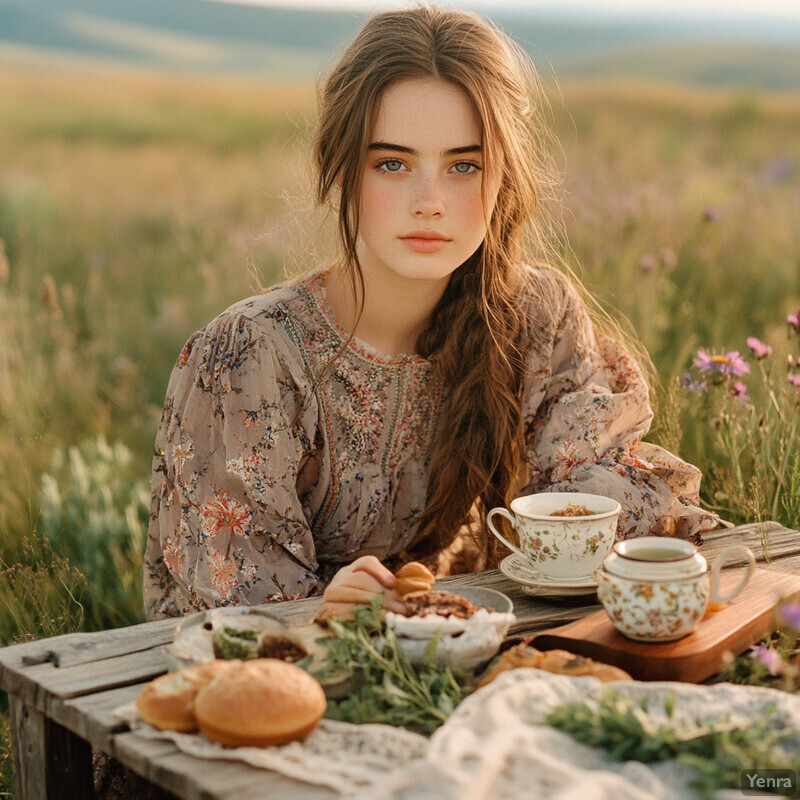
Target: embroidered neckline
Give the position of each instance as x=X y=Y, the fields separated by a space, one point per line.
x=313 y=285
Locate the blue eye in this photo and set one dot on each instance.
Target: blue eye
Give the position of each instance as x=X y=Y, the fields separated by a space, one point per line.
x=391 y=165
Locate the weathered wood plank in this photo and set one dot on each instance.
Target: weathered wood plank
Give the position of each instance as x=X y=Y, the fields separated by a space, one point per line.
x=81 y=648
x=769 y=541
x=30 y=755
x=51 y=762
x=38 y=685
x=196 y=779
x=92 y=716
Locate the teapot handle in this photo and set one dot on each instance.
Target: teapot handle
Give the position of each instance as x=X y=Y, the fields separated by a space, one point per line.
x=726 y=555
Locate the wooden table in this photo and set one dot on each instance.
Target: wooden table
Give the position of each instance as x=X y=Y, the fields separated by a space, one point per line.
x=63 y=691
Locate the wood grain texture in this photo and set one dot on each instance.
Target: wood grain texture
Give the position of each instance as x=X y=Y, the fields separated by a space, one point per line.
x=729 y=631
x=196 y=779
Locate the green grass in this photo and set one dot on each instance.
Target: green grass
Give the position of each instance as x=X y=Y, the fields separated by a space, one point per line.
x=133 y=209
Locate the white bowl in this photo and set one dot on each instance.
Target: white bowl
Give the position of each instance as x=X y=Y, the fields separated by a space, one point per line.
x=463 y=643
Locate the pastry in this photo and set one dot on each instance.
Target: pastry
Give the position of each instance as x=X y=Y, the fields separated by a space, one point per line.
x=559 y=662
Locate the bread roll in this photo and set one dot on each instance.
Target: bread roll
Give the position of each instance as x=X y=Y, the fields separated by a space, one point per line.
x=260 y=703
x=167 y=703
x=413 y=577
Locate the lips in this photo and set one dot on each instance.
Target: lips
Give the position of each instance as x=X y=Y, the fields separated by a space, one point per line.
x=425 y=241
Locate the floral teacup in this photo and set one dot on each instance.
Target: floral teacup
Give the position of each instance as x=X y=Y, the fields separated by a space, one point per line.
x=562 y=535
x=656 y=589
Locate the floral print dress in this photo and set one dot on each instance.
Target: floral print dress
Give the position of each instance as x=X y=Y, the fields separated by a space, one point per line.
x=281 y=456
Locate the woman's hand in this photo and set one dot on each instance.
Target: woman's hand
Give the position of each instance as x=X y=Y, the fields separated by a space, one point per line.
x=357 y=584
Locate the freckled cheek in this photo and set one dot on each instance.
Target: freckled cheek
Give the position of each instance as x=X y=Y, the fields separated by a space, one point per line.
x=378 y=204
x=470 y=210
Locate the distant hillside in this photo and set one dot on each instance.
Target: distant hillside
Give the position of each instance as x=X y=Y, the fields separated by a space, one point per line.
x=220 y=38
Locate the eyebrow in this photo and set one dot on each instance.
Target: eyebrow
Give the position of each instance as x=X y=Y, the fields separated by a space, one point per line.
x=401 y=148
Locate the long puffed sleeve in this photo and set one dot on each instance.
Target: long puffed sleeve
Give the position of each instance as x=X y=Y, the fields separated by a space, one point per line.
x=227 y=524
x=586 y=410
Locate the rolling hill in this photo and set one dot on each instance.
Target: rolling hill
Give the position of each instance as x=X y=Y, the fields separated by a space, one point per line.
x=199 y=36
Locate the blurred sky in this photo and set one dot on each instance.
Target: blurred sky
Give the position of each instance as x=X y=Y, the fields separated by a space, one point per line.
x=595 y=8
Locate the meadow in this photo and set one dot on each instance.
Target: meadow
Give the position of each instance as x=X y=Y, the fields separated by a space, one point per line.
x=135 y=207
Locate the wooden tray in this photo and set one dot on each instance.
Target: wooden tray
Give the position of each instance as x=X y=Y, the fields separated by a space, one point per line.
x=719 y=635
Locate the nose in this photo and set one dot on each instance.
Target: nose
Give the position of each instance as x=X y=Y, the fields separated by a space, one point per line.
x=428 y=199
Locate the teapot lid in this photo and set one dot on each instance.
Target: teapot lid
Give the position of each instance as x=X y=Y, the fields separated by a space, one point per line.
x=655 y=558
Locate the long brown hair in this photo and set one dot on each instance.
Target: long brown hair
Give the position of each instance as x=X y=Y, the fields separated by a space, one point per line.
x=476 y=335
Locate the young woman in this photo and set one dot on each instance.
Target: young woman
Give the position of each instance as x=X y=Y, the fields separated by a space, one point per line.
x=371 y=411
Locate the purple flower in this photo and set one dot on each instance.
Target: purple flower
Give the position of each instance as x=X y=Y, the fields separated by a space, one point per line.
x=739 y=391
x=794 y=320
x=760 y=350
x=794 y=380
x=647 y=263
x=692 y=385
x=729 y=364
x=769 y=658
x=790 y=613
x=711 y=214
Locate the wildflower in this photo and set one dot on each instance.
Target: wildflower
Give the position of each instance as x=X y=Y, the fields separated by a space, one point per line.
x=739 y=391
x=768 y=658
x=781 y=170
x=692 y=385
x=729 y=364
x=794 y=380
x=790 y=613
x=669 y=258
x=794 y=321
x=647 y=263
x=760 y=350
x=711 y=214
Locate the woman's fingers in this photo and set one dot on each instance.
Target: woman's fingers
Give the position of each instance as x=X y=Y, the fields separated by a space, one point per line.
x=372 y=566
x=392 y=602
x=358 y=584
x=349 y=594
x=353 y=586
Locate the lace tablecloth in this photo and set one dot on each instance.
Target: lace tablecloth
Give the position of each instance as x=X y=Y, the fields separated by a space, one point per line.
x=495 y=745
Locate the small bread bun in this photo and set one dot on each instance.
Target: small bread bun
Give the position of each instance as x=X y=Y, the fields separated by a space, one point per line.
x=260 y=703
x=167 y=703
x=413 y=577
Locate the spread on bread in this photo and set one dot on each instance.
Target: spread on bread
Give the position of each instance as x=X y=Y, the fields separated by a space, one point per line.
x=255 y=703
x=559 y=662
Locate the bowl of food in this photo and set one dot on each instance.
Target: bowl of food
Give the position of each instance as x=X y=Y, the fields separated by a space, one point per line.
x=247 y=633
x=461 y=628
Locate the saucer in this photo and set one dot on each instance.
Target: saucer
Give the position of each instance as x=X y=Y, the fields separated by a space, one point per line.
x=535 y=584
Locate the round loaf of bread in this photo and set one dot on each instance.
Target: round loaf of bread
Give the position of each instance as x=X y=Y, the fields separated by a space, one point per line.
x=413 y=577
x=260 y=703
x=167 y=703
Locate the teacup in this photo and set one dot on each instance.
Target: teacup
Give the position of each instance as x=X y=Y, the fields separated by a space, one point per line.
x=559 y=546
x=656 y=589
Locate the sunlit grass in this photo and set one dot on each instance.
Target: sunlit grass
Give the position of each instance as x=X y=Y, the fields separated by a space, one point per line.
x=134 y=208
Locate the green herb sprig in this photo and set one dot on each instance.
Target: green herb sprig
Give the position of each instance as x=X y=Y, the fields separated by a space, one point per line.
x=387 y=687
x=717 y=752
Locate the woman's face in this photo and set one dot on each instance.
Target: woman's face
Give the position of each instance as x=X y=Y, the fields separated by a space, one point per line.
x=422 y=200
